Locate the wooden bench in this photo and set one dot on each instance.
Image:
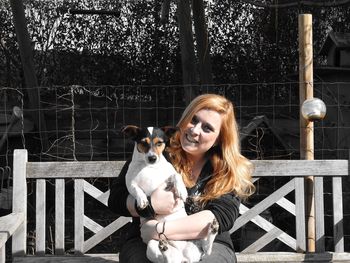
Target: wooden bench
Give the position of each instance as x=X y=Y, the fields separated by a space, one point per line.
x=293 y=171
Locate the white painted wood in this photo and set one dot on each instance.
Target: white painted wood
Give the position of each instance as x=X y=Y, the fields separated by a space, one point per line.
x=79 y=170
x=92 y=225
x=293 y=257
x=105 y=232
x=287 y=205
x=241 y=257
x=40 y=217
x=264 y=204
x=319 y=215
x=338 y=214
x=301 y=167
x=87 y=258
x=8 y=225
x=262 y=241
x=2 y=253
x=96 y=193
x=59 y=216
x=19 y=238
x=267 y=226
x=78 y=216
x=300 y=215
x=89 y=169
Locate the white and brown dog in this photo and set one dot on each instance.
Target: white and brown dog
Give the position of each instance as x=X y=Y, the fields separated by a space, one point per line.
x=148 y=169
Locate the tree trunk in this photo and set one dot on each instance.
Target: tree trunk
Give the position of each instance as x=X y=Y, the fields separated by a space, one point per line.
x=203 y=48
x=31 y=82
x=189 y=76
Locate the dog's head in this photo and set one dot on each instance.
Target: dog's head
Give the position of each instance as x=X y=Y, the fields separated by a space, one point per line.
x=150 y=141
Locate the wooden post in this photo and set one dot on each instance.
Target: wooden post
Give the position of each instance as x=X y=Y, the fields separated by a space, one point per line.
x=306 y=127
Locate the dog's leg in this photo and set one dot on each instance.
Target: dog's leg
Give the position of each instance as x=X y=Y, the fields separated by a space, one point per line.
x=153 y=252
x=139 y=195
x=180 y=188
x=207 y=243
x=192 y=252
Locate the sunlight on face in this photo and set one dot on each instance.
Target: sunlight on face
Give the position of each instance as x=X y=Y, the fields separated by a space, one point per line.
x=201 y=133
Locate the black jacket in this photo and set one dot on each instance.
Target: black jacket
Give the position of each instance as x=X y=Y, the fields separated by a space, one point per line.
x=225 y=208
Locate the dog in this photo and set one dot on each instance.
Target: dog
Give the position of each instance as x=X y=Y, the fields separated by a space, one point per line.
x=147 y=170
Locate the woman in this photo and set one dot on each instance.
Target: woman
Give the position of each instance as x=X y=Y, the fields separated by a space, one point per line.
x=206 y=152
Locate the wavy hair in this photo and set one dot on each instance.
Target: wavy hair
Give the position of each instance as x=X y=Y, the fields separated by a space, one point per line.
x=231 y=170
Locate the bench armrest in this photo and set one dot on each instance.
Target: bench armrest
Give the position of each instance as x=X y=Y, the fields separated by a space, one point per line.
x=8 y=225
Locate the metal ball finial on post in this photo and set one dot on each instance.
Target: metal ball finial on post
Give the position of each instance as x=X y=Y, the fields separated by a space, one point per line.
x=313 y=109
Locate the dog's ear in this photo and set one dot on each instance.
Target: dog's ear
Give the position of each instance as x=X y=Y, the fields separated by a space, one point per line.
x=130 y=131
x=169 y=130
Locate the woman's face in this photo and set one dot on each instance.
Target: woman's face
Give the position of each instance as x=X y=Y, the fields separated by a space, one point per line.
x=201 y=133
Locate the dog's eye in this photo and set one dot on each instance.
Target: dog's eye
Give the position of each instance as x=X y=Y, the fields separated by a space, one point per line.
x=158 y=144
x=145 y=144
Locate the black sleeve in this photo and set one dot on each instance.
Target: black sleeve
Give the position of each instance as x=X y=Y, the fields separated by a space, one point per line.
x=225 y=209
x=119 y=193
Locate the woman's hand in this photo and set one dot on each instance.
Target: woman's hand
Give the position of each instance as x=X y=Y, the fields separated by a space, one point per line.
x=148 y=231
x=164 y=202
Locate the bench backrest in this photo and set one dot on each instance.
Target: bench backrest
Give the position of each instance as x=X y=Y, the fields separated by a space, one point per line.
x=295 y=170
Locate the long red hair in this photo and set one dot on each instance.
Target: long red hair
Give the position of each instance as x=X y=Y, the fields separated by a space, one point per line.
x=231 y=170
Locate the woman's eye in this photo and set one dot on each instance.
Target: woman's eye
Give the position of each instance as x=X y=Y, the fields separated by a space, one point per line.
x=194 y=120
x=207 y=128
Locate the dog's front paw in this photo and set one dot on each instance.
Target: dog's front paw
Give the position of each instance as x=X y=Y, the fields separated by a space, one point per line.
x=183 y=194
x=163 y=245
x=214 y=227
x=142 y=203
x=207 y=243
x=180 y=187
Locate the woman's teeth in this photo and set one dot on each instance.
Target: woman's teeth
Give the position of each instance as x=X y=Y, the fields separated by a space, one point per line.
x=190 y=139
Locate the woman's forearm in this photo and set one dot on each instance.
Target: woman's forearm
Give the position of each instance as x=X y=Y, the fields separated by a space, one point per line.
x=194 y=226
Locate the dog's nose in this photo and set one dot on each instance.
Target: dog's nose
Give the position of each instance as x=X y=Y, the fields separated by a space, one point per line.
x=152 y=159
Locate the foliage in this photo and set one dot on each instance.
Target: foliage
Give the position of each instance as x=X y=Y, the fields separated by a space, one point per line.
x=248 y=43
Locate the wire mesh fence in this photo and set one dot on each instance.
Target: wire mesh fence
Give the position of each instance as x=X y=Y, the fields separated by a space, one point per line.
x=83 y=123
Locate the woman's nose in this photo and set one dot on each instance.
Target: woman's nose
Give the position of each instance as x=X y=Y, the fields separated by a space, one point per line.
x=195 y=129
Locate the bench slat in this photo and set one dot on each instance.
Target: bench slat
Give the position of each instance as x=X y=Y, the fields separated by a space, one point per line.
x=105 y=232
x=262 y=241
x=300 y=215
x=264 y=204
x=338 y=215
x=40 y=215
x=88 y=169
x=301 y=167
x=98 y=169
x=19 y=205
x=267 y=226
x=78 y=216
x=59 y=216
x=319 y=215
x=89 y=258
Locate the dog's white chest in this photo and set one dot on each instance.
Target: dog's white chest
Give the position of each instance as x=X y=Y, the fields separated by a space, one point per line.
x=152 y=176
